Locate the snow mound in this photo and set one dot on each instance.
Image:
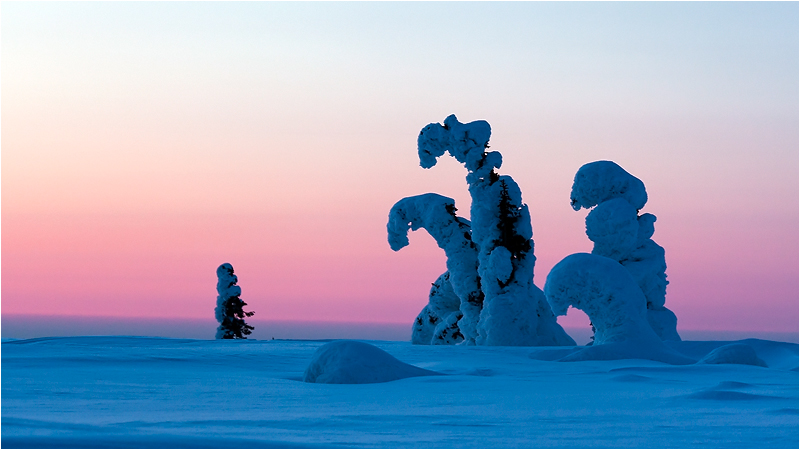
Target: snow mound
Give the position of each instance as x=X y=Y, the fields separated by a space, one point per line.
x=777 y=355
x=733 y=354
x=353 y=362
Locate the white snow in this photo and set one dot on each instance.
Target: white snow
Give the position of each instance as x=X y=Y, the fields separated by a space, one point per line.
x=436 y=214
x=600 y=181
x=226 y=288
x=424 y=324
x=437 y=323
x=613 y=227
x=733 y=354
x=605 y=291
x=620 y=233
x=609 y=295
x=511 y=312
x=86 y=392
x=354 y=362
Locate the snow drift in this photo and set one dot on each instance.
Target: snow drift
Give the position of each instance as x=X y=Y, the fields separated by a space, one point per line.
x=733 y=354
x=353 y=362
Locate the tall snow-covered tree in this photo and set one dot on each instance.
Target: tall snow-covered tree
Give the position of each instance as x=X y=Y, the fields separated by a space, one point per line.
x=230 y=311
x=619 y=232
x=514 y=311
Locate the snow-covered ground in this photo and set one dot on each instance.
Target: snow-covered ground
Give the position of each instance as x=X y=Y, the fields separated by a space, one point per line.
x=155 y=392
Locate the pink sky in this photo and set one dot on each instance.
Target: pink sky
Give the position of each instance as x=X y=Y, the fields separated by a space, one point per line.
x=136 y=159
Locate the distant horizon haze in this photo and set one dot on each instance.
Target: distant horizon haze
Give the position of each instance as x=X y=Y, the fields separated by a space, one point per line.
x=24 y=326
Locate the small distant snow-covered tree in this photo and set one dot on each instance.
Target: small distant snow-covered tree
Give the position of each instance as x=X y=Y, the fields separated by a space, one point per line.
x=230 y=311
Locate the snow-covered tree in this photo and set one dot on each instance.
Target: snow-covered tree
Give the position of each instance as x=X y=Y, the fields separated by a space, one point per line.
x=514 y=311
x=607 y=292
x=455 y=299
x=437 y=323
x=230 y=308
x=619 y=232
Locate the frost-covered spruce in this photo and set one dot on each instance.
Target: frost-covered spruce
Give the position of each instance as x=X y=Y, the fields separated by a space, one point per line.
x=600 y=181
x=605 y=291
x=437 y=323
x=513 y=313
x=620 y=233
x=608 y=294
x=230 y=308
x=455 y=299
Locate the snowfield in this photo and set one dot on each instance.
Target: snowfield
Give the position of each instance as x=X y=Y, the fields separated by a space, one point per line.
x=155 y=392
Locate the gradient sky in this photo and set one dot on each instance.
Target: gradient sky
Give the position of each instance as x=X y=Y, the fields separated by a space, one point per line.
x=144 y=144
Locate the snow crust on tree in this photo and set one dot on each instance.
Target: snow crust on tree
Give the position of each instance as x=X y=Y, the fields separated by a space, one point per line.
x=501 y=230
x=226 y=288
x=605 y=291
x=609 y=295
x=466 y=142
x=663 y=322
x=733 y=354
x=229 y=312
x=620 y=233
x=353 y=362
x=437 y=323
x=424 y=324
x=437 y=215
x=614 y=228
x=600 y=181
x=549 y=332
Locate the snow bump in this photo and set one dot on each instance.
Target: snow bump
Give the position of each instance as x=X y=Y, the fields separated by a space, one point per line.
x=353 y=362
x=733 y=354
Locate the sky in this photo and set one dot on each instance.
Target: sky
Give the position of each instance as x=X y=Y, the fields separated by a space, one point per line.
x=144 y=144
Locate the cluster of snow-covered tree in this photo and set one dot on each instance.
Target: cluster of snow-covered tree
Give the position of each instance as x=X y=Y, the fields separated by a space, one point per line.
x=487 y=295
